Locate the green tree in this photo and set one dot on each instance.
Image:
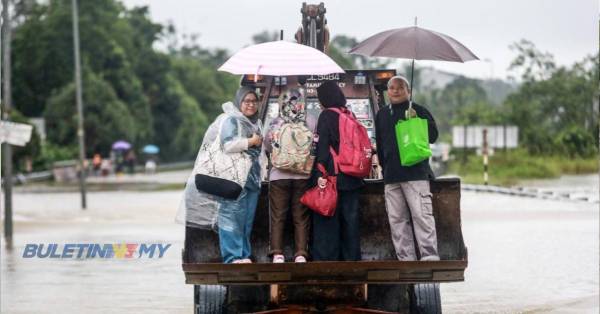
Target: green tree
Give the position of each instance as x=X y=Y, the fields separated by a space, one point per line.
x=179 y=115
x=106 y=118
x=457 y=101
x=43 y=49
x=532 y=63
x=42 y=55
x=208 y=87
x=341 y=44
x=265 y=36
x=479 y=113
x=553 y=107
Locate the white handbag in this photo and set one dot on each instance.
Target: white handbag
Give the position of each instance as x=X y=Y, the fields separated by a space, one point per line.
x=220 y=173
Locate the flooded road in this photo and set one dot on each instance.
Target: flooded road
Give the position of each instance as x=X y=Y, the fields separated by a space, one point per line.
x=95 y=285
x=525 y=255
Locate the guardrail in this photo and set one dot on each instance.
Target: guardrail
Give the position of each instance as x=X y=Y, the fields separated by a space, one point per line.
x=47 y=175
x=542 y=193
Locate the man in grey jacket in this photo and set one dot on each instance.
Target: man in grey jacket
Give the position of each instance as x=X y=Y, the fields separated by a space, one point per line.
x=407 y=195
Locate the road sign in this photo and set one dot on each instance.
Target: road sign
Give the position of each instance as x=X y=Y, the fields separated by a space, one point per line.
x=15 y=133
x=498 y=136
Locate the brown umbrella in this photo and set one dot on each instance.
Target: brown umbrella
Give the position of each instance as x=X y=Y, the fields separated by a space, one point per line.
x=414 y=43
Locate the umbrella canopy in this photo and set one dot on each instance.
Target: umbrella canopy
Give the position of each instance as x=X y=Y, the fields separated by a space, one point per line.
x=121 y=145
x=414 y=43
x=280 y=58
x=150 y=149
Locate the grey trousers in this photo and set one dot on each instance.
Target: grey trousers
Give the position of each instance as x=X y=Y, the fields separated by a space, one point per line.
x=406 y=200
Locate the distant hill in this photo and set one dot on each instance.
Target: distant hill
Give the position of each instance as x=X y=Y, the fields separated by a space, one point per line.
x=496 y=89
x=432 y=78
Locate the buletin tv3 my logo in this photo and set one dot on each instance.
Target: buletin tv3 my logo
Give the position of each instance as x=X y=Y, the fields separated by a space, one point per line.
x=95 y=250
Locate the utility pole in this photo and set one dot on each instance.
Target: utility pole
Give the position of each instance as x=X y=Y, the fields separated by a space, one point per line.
x=464 y=157
x=485 y=157
x=80 y=130
x=6 y=108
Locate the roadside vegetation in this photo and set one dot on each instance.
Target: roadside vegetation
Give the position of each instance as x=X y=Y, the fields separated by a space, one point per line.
x=509 y=168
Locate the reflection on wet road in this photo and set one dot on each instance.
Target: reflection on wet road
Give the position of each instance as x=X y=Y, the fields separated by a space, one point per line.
x=524 y=255
x=96 y=285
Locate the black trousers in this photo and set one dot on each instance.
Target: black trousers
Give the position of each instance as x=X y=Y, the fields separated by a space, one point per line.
x=337 y=238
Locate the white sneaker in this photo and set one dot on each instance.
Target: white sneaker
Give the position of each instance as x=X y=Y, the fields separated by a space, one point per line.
x=300 y=259
x=278 y=258
x=246 y=261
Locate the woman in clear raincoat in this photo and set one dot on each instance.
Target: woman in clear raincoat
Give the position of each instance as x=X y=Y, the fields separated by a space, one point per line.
x=238 y=129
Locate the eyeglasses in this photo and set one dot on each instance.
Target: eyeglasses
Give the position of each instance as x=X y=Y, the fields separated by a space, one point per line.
x=250 y=102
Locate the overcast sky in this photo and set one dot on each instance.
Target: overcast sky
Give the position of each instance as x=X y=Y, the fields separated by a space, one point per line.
x=568 y=29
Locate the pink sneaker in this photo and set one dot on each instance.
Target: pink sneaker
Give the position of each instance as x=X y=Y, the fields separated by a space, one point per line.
x=278 y=258
x=300 y=259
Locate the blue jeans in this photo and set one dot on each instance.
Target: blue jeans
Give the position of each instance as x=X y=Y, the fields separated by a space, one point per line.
x=235 y=225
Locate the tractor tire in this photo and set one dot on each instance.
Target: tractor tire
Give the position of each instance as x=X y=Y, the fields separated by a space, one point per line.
x=209 y=299
x=426 y=299
x=388 y=298
x=247 y=299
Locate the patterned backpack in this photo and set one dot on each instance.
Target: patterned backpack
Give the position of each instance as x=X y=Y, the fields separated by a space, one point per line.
x=291 y=148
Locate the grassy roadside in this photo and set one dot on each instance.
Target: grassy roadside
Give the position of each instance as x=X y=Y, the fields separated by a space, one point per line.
x=509 y=168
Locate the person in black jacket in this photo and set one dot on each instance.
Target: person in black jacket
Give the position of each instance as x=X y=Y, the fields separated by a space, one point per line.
x=407 y=193
x=335 y=238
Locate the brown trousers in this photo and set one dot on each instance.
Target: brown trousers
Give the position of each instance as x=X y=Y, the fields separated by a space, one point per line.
x=284 y=194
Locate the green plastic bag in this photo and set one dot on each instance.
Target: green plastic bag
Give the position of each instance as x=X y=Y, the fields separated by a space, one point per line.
x=413 y=141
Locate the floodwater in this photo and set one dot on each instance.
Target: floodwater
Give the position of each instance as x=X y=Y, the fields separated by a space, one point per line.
x=95 y=285
x=525 y=255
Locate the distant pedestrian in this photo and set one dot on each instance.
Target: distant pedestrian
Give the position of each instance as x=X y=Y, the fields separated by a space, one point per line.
x=96 y=164
x=130 y=161
x=150 y=166
x=105 y=167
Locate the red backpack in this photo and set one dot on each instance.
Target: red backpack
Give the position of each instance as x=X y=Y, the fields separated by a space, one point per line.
x=354 y=155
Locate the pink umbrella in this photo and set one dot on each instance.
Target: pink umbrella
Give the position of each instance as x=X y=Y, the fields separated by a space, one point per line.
x=280 y=58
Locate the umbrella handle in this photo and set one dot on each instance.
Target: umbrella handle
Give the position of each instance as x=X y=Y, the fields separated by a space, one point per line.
x=407 y=112
x=256 y=73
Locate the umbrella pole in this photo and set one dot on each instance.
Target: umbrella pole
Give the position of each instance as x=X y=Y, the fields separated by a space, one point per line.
x=412 y=75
